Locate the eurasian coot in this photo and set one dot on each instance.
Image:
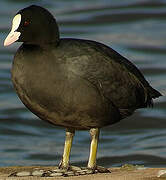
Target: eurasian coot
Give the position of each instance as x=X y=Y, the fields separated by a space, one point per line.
x=74 y=83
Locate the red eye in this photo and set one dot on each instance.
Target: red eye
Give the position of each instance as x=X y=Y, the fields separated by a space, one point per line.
x=26 y=23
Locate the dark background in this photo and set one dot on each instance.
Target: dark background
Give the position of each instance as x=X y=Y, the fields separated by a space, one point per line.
x=136 y=29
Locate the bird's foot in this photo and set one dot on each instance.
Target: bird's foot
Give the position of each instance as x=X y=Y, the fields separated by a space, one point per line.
x=63 y=166
x=56 y=171
x=52 y=172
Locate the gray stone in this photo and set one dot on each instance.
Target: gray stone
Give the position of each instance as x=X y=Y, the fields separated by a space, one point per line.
x=83 y=170
x=37 y=173
x=89 y=171
x=76 y=173
x=54 y=174
x=75 y=168
x=59 y=170
x=82 y=173
x=23 y=173
x=69 y=173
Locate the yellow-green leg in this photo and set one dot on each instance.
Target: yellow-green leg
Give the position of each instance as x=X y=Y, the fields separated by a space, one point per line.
x=94 y=133
x=64 y=164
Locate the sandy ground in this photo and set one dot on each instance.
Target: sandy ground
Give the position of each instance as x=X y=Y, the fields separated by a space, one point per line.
x=116 y=174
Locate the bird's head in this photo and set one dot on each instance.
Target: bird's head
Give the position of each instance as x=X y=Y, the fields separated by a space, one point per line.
x=33 y=25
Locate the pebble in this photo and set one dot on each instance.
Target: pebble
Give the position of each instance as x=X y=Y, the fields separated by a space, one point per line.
x=59 y=170
x=161 y=173
x=83 y=170
x=23 y=173
x=37 y=173
x=89 y=171
x=76 y=174
x=82 y=173
x=69 y=173
x=75 y=168
x=56 y=174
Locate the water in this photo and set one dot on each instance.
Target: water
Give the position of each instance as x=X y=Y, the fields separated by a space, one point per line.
x=136 y=29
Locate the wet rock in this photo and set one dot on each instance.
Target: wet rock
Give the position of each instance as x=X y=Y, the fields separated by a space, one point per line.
x=54 y=174
x=23 y=173
x=76 y=174
x=75 y=168
x=69 y=173
x=82 y=173
x=85 y=171
x=89 y=171
x=59 y=170
x=37 y=173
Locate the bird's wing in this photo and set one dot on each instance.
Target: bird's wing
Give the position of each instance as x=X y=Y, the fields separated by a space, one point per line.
x=116 y=78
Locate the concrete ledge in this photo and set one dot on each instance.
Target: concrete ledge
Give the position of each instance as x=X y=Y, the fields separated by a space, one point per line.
x=116 y=174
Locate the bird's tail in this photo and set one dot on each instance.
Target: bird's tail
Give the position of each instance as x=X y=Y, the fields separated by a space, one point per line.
x=152 y=94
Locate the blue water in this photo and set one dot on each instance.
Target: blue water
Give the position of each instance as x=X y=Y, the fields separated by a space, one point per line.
x=134 y=28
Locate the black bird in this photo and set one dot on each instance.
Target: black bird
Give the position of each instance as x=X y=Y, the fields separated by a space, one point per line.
x=74 y=83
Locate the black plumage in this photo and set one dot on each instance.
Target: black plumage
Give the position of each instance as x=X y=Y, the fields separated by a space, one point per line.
x=79 y=83
x=74 y=83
